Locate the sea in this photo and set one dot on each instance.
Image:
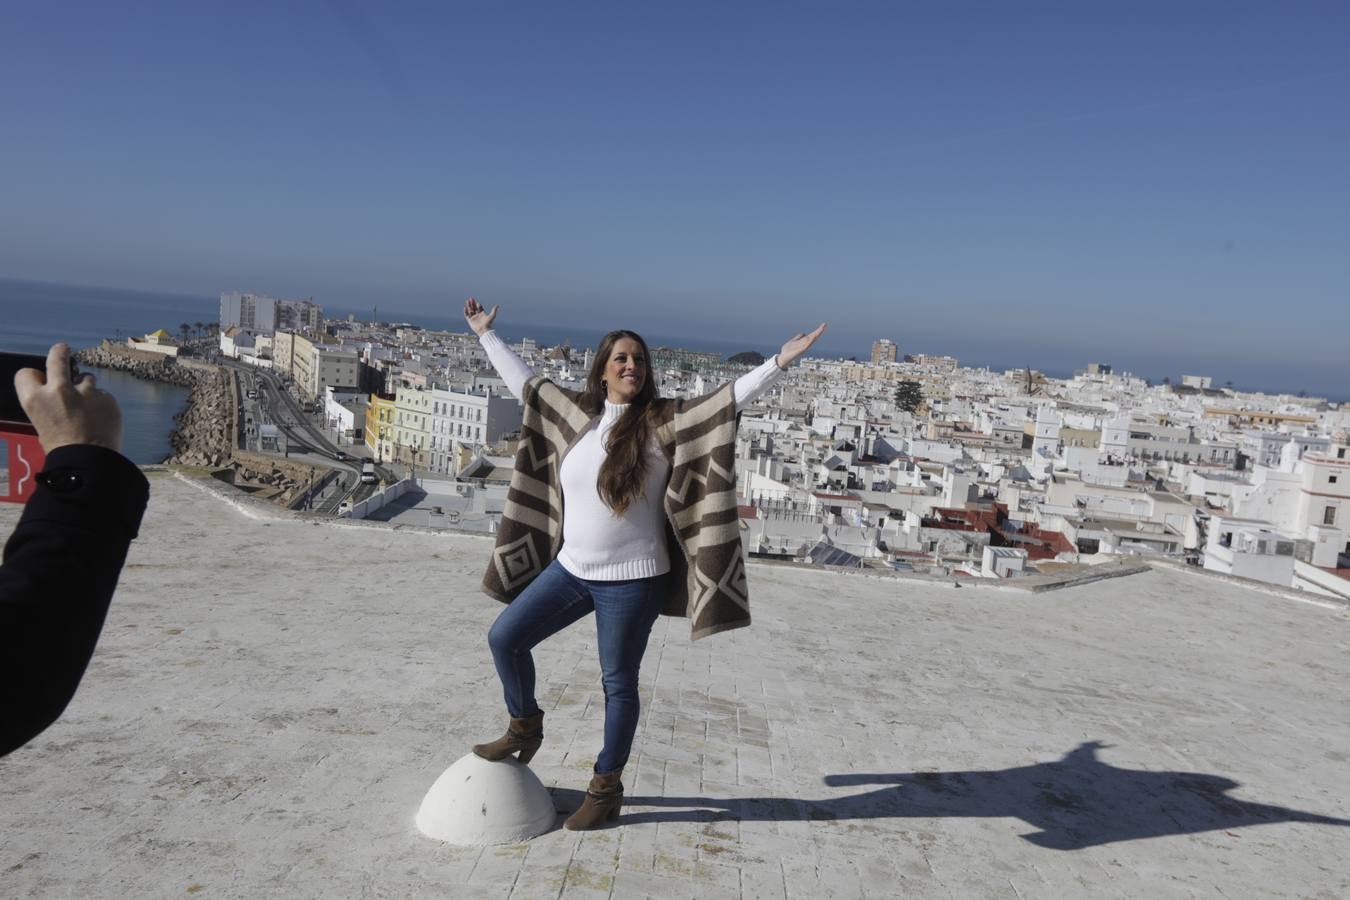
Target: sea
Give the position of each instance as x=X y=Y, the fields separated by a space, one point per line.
x=35 y=315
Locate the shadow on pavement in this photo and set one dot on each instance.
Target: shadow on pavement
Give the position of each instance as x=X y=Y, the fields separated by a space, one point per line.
x=1075 y=802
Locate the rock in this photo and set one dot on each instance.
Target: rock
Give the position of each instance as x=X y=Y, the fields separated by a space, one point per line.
x=201 y=435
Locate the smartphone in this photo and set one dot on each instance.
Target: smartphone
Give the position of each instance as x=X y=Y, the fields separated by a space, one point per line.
x=21 y=458
x=11 y=413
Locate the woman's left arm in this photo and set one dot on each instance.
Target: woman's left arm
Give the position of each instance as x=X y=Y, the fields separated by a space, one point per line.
x=754 y=383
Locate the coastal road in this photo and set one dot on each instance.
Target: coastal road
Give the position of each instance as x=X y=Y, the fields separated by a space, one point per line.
x=305 y=442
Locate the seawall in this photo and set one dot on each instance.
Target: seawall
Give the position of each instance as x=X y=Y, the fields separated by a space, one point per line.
x=202 y=429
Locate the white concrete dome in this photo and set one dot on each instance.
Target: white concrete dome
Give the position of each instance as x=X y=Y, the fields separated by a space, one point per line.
x=476 y=802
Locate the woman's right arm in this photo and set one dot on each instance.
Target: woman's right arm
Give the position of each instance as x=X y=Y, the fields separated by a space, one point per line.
x=510 y=367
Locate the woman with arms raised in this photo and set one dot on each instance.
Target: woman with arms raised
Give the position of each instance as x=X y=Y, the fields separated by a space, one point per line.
x=622 y=503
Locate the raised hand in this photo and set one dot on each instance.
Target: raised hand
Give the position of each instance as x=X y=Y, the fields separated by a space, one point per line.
x=797 y=345
x=64 y=412
x=479 y=319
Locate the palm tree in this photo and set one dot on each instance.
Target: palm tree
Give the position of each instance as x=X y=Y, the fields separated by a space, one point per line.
x=184 y=329
x=197 y=327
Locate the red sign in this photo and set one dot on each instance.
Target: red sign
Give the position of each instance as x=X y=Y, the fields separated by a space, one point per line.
x=21 y=458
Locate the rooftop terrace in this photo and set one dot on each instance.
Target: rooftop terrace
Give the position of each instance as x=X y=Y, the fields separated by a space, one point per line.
x=272 y=698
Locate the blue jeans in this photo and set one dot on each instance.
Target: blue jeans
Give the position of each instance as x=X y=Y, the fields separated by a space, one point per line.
x=624 y=614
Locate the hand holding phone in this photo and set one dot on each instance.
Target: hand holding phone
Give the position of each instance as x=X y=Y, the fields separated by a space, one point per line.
x=65 y=408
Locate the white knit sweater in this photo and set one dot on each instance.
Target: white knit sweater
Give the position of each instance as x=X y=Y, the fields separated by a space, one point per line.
x=597 y=544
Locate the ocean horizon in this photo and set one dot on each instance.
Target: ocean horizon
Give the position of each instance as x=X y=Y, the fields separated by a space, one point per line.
x=37 y=313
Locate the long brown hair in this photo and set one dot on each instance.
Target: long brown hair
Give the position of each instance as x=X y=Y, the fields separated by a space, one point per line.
x=623 y=474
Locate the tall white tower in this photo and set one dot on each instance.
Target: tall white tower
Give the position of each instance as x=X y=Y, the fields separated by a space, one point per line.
x=1115 y=438
x=1045 y=446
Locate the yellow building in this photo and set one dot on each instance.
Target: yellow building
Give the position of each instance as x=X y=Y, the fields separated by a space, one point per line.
x=1268 y=419
x=380 y=416
x=155 y=342
x=861 y=372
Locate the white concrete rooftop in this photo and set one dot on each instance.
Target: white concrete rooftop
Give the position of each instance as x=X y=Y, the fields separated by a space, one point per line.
x=271 y=700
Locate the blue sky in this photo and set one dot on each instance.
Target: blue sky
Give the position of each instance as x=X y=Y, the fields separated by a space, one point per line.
x=1160 y=186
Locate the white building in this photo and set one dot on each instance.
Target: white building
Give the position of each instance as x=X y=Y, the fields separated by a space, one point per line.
x=1002 y=562
x=1307 y=497
x=319 y=366
x=251 y=312
x=235 y=342
x=1324 y=499
x=345 y=412
x=1264 y=448
x=1045 y=446
x=1115 y=442
x=467 y=417
x=1249 y=549
x=299 y=315
x=412 y=426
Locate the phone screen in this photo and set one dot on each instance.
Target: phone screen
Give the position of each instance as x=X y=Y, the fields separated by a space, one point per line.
x=11 y=363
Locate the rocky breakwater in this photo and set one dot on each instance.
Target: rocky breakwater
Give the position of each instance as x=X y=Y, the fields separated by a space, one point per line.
x=201 y=434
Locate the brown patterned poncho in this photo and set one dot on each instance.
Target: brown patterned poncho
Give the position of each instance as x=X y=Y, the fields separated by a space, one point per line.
x=698 y=438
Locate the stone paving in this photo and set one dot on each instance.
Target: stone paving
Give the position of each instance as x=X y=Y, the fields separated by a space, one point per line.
x=271 y=699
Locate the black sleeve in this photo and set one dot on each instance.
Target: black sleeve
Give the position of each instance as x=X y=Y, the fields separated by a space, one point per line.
x=60 y=569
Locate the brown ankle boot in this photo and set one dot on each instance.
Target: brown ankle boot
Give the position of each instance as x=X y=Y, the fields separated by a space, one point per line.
x=603 y=799
x=524 y=735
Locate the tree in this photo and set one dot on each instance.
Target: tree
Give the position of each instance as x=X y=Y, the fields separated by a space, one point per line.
x=908 y=395
x=197 y=328
x=184 y=329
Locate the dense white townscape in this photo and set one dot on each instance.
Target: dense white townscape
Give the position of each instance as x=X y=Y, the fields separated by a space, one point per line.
x=901 y=462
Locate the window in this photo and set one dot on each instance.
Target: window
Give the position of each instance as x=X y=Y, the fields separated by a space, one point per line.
x=1329 y=516
x=1340 y=453
x=1331 y=479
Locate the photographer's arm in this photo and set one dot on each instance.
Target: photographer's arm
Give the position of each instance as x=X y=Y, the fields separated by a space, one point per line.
x=62 y=561
x=60 y=569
